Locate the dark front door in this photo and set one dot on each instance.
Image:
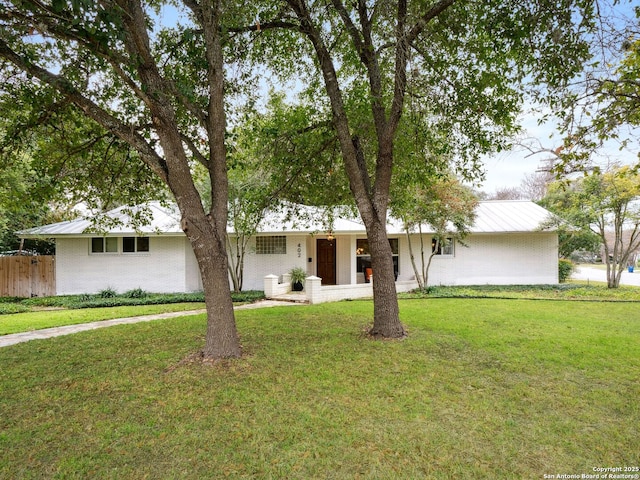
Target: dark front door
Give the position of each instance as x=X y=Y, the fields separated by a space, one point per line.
x=326 y=253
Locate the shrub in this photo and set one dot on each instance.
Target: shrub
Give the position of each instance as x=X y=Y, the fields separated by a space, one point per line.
x=247 y=296
x=10 y=299
x=565 y=269
x=7 y=308
x=135 y=293
x=107 y=293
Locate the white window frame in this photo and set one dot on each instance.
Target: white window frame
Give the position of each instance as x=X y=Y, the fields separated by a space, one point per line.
x=137 y=243
x=447 y=248
x=106 y=242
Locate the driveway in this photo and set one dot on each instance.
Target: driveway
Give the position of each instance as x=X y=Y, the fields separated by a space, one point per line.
x=598 y=275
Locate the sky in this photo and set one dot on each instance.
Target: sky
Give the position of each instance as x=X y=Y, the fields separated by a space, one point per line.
x=508 y=169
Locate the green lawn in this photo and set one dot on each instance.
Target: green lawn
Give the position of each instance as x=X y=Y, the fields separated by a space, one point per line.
x=482 y=388
x=26 y=321
x=575 y=290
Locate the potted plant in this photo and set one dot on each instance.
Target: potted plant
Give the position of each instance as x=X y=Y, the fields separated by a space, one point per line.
x=298 y=275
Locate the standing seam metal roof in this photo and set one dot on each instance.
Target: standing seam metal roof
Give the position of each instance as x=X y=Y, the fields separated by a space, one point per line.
x=491 y=217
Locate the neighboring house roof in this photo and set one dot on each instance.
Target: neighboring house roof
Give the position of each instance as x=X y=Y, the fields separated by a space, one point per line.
x=496 y=216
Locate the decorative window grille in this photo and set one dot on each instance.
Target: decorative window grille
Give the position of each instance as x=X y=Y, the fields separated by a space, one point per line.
x=271 y=245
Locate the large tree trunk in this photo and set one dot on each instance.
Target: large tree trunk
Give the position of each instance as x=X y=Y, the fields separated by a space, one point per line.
x=386 y=313
x=221 y=339
x=205 y=231
x=208 y=241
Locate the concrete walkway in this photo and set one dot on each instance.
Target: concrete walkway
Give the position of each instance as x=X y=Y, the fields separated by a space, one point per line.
x=14 y=338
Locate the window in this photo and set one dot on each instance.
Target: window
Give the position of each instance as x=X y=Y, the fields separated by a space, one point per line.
x=273 y=245
x=135 y=244
x=110 y=244
x=445 y=247
x=363 y=256
x=104 y=245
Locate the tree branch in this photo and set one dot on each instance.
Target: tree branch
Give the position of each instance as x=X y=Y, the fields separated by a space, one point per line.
x=90 y=108
x=195 y=151
x=49 y=22
x=432 y=13
x=260 y=26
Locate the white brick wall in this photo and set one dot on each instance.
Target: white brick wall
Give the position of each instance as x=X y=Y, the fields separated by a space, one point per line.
x=193 y=278
x=316 y=293
x=256 y=267
x=160 y=270
x=508 y=259
x=170 y=266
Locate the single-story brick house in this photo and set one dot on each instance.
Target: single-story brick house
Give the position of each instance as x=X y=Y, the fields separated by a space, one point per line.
x=508 y=244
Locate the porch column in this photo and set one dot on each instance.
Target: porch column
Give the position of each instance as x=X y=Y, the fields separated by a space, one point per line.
x=313 y=286
x=270 y=285
x=353 y=261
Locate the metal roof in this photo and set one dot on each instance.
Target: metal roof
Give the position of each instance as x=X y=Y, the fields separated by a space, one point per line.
x=511 y=216
x=119 y=221
x=492 y=216
x=495 y=216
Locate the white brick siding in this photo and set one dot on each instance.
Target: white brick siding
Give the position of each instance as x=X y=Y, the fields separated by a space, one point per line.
x=193 y=278
x=170 y=265
x=162 y=269
x=506 y=259
x=256 y=267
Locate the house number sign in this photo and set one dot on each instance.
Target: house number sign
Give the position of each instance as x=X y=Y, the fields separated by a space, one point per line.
x=299 y=250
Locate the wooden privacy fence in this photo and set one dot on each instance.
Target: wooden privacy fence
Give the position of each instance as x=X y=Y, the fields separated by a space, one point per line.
x=23 y=276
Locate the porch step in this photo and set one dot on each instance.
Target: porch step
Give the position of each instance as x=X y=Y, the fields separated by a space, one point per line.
x=295 y=297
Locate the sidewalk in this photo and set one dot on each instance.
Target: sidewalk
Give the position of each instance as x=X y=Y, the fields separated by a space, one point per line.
x=14 y=338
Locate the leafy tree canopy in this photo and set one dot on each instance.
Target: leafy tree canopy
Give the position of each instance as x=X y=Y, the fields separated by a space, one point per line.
x=605 y=204
x=603 y=108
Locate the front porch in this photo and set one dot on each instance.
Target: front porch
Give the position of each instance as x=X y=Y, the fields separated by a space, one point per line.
x=314 y=292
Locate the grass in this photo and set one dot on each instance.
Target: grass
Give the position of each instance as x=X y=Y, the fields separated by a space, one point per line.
x=482 y=388
x=29 y=320
x=565 y=291
x=77 y=309
x=23 y=315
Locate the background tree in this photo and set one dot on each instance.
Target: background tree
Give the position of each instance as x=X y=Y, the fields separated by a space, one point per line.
x=19 y=208
x=472 y=60
x=574 y=241
x=37 y=153
x=299 y=150
x=445 y=206
x=157 y=88
x=249 y=200
x=604 y=203
x=508 y=193
x=250 y=196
